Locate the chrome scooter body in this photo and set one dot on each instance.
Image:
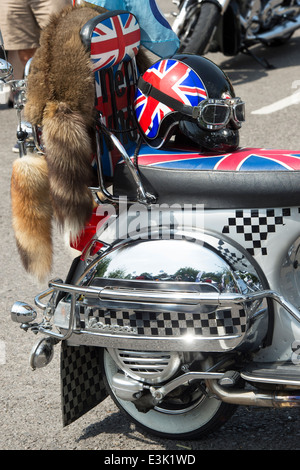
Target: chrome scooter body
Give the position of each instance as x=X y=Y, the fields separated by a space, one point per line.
x=161 y=274
x=183 y=291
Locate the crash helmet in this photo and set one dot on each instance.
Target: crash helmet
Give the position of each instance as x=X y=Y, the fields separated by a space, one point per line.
x=190 y=95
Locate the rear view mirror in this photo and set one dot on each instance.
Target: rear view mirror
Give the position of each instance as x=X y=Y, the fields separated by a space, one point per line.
x=6 y=69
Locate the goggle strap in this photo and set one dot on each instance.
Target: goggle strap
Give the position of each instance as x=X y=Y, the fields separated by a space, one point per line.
x=149 y=90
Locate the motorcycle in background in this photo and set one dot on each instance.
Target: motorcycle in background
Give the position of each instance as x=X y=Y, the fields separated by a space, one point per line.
x=233 y=26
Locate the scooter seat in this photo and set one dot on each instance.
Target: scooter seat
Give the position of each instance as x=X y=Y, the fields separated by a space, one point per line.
x=246 y=178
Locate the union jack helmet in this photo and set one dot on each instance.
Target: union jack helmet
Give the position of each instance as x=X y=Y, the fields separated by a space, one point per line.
x=170 y=97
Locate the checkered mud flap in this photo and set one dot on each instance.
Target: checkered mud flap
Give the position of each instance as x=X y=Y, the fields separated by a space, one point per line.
x=82 y=385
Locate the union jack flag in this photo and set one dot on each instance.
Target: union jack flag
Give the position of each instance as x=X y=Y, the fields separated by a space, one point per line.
x=243 y=159
x=175 y=79
x=116 y=108
x=113 y=40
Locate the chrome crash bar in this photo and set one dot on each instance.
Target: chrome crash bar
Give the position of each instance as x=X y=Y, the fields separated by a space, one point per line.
x=123 y=295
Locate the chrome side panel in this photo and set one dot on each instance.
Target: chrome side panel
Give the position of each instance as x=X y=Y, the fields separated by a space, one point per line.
x=149 y=291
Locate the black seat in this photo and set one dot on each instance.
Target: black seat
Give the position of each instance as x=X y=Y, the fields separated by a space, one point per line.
x=247 y=178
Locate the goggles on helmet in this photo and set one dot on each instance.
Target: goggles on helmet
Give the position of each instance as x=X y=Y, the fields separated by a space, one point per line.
x=214 y=114
x=211 y=114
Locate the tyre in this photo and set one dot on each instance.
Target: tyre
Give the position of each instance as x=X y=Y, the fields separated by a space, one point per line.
x=196 y=35
x=195 y=416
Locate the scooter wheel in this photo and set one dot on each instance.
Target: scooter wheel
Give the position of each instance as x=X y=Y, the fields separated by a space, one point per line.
x=201 y=31
x=173 y=419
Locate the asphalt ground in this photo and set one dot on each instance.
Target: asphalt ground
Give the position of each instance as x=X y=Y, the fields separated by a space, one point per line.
x=30 y=414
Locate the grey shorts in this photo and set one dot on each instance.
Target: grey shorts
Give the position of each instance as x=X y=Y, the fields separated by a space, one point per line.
x=21 y=21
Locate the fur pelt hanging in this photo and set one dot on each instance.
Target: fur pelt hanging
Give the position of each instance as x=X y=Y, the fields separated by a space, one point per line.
x=60 y=98
x=32 y=214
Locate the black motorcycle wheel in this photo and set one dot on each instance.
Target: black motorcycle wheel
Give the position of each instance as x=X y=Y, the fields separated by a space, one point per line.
x=172 y=420
x=201 y=32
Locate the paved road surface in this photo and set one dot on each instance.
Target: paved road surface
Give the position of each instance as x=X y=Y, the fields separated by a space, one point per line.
x=30 y=401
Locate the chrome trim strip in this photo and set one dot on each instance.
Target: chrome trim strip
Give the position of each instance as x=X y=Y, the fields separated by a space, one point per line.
x=146 y=343
x=270 y=380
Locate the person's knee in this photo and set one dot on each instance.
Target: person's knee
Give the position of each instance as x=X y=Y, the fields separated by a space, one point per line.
x=25 y=55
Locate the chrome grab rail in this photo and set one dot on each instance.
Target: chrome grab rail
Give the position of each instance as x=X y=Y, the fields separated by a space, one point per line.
x=155 y=297
x=194 y=298
x=142 y=196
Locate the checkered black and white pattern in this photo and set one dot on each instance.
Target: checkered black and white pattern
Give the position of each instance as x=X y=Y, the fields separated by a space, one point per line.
x=81 y=381
x=237 y=260
x=255 y=225
x=165 y=324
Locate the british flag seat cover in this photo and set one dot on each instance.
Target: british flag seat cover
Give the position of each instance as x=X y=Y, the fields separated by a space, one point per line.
x=248 y=177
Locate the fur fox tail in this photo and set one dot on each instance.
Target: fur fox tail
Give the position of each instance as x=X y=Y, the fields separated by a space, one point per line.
x=53 y=186
x=69 y=152
x=32 y=214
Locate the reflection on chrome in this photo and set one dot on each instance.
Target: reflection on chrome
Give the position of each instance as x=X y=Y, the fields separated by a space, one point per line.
x=208 y=261
x=186 y=294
